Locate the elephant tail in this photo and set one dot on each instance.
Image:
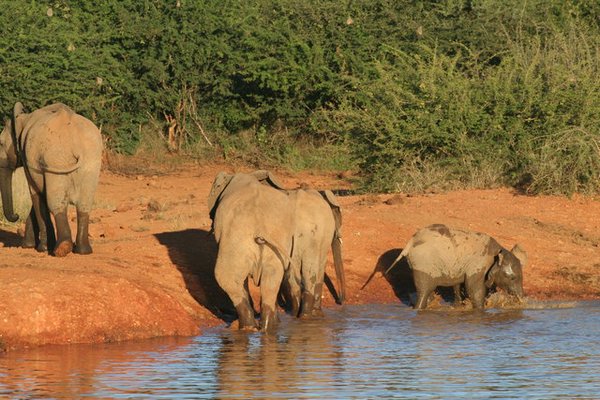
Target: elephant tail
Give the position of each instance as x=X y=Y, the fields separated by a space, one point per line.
x=404 y=252
x=336 y=243
x=58 y=170
x=376 y=271
x=283 y=257
x=336 y=248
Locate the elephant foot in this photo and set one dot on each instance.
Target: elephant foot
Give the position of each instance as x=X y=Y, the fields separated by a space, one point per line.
x=317 y=312
x=82 y=249
x=63 y=248
x=246 y=319
x=268 y=320
x=42 y=248
x=248 y=328
x=26 y=244
x=308 y=305
x=296 y=308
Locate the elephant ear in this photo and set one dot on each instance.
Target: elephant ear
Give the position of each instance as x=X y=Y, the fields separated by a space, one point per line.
x=335 y=206
x=18 y=109
x=268 y=178
x=16 y=130
x=520 y=253
x=494 y=270
x=220 y=183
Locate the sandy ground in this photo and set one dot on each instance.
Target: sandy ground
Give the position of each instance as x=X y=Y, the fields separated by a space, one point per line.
x=151 y=271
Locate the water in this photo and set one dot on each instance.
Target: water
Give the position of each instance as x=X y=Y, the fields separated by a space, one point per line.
x=370 y=351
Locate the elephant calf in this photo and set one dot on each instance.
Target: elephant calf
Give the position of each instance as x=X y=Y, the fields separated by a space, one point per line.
x=442 y=256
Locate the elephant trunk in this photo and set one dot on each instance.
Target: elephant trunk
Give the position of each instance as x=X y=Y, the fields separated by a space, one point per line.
x=7 y=198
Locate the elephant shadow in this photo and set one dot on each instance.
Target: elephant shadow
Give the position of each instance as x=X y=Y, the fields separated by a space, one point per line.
x=401 y=279
x=10 y=239
x=194 y=253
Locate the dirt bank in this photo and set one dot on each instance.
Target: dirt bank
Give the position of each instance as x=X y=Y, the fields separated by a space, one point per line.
x=151 y=271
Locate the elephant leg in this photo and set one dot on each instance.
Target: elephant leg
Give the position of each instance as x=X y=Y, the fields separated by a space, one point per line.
x=312 y=286
x=31 y=231
x=476 y=291
x=318 y=292
x=245 y=314
x=42 y=216
x=233 y=283
x=82 y=241
x=425 y=287
x=318 y=299
x=293 y=286
x=457 y=295
x=269 y=288
x=64 y=243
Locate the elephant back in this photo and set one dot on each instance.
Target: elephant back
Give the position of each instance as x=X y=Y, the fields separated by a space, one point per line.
x=57 y=139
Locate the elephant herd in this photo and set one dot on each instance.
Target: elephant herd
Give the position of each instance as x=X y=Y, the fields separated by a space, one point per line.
x=279 y=238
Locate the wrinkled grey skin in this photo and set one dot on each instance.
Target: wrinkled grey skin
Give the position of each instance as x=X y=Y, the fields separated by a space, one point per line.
x=318 y=226
x=61 y=152
x=442 y=256
x=254 y=228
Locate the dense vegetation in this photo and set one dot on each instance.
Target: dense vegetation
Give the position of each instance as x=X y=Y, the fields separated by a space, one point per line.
x=415 y=94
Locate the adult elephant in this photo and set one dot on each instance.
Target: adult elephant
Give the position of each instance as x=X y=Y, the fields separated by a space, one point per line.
x=318 y=220
x=61 y=153
x=254 y=228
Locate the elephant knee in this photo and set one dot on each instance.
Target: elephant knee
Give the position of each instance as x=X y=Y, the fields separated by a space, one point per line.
x=226 y=280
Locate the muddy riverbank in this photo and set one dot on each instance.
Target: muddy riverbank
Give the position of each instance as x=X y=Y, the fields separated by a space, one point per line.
x=151 y=271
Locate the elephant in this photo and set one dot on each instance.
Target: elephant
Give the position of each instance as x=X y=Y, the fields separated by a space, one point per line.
x=318 y=225
x=443 y=256
x=253 y=225
x=61 y=152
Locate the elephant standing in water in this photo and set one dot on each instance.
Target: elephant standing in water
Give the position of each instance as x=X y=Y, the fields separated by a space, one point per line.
x=61 y=153
x=442 y=256
x=318 y=226
x=254 y=228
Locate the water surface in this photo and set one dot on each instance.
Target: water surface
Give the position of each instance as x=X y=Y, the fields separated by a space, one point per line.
x=352 y=352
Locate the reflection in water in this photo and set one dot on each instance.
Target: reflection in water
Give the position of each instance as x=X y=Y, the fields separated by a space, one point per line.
x=354 y=351
x=295 y=362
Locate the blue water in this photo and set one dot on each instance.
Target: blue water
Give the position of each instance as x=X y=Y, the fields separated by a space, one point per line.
x=370 y=351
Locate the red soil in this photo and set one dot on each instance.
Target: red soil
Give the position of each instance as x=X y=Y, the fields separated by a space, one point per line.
x=151 y=270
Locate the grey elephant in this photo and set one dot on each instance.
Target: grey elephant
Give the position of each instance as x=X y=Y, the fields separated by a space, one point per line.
x=61 y=152
x=254 y=228
x=442 y=256
x=318 y=222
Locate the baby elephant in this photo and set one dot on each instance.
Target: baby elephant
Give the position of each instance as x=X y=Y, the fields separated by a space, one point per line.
x=442 y=256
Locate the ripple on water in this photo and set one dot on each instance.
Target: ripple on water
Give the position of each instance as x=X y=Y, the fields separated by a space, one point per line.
x=353 y=351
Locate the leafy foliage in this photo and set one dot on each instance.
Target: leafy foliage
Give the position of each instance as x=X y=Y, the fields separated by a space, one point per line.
x=416 y=94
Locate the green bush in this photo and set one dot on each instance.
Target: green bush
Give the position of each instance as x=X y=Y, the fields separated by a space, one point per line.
x=417 y=95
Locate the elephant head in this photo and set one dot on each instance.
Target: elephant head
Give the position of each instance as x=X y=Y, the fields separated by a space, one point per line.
x=10 y=159
x=507 y=271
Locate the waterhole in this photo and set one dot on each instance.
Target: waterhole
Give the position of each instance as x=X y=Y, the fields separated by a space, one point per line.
x=368 y=351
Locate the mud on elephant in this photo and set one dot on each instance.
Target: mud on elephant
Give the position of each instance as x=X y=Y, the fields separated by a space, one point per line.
x=442 y=256
x=254 y=227
x=61 y=153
